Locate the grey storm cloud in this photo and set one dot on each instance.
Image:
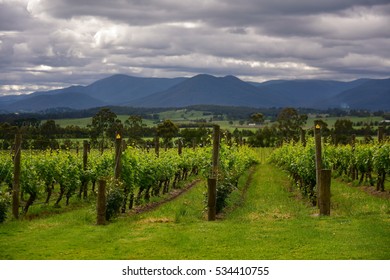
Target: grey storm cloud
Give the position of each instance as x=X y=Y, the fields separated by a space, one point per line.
x=51 y=43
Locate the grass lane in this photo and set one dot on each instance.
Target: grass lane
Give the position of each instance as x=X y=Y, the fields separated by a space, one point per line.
x=271 y=223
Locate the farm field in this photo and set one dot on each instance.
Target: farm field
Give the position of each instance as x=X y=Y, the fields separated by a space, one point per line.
x=184 y=116
x=265 y=219
x=331 y=120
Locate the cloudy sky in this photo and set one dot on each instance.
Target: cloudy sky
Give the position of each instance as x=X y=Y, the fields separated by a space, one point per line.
x=47 y=44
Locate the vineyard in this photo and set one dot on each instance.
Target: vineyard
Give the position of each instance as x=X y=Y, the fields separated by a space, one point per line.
x=259 y=218
x=51 y=177
x=367 y=163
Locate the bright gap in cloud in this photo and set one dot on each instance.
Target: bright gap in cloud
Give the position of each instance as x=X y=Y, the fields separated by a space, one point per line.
x=273 y=65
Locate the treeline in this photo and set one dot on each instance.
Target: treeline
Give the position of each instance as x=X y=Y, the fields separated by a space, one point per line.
x=287 y=126
x=343 y=133
x=101 y=132
x=231 y=112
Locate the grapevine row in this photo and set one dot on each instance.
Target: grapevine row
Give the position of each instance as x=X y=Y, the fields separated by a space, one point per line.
x=59 y=174
x=370 y=162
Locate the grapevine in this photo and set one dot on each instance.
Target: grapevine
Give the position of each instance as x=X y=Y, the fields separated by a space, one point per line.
x=359 y=161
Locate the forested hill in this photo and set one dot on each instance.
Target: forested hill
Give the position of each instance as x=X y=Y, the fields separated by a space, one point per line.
x=128 y=91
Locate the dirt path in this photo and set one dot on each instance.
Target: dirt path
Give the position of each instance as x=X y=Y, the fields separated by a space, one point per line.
x=172 y=195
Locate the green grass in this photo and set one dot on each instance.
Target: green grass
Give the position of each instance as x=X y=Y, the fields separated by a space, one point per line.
x=83 y=122
x=183 y=115
x=332 y=120
x=270 y=223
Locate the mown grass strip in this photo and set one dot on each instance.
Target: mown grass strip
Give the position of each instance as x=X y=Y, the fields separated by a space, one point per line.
x=271 y=223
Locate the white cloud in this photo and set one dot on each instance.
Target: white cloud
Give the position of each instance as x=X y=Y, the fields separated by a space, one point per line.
x=47 y=43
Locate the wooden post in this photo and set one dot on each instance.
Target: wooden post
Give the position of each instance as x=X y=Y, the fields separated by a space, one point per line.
x=229 y=139
x=85 y=166
x=303 y=137
x=157 y=146
x=381 y=132
x=85 y=154
x=353 y=167
x=180 y=147
x=124 y=145
x=118 y=153
x=212 y=181
x=212 y=198
x=216 y=140
x=318 y=155
x=101 y=203
x=16 y=179
x=324 y=201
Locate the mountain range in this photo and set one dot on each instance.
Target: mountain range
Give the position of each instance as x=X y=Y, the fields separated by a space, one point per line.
x=202 y=89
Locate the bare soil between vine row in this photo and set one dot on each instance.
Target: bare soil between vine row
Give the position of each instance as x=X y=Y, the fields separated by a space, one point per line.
x=175 y=193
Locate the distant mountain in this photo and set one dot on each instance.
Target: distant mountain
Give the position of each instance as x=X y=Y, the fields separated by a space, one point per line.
x=306 y=93
x=370 y=95
x=122 y=90
x=114 y=90
x=206 y=89
x=74 y=100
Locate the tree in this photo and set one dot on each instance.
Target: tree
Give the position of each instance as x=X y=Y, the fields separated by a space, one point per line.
x=47 y=135
x=7 y=133
x=290 y=123
x=343 y=130
x=325 y=131
x=368 y=132
x=257 y=118
x=103 y=127
x=194 y=136
x=134 y=128
x=264 y=137
x=167 y=130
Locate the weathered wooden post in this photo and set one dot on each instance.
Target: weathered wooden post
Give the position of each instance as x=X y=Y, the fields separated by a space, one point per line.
x=381 y=132
x=353 y=167
x=157 y=146
x=324 y=201
x=229 y=139
x=303 y=137
x=16 y=179
x=124 y=145
x=180 y=147
x=85 y=166
x=318 y=155
x=85 y=154
x=101 y=203
x=118 y=153
x=212 y=198
x=212 y=181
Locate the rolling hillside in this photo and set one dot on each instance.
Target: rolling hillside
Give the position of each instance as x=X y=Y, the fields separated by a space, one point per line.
x=206 y=89
x=122 y=90
x=74 y=100
x=306 y=93
x=371 y=95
